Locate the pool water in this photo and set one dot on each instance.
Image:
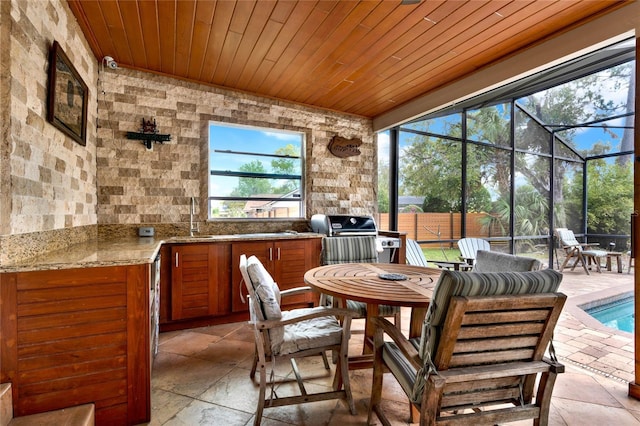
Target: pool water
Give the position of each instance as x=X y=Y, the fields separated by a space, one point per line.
x=618 y=314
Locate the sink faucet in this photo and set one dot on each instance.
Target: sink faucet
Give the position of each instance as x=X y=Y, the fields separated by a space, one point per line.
x=192 y=211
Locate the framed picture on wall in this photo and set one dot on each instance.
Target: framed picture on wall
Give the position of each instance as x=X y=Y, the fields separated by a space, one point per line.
x=67 y=97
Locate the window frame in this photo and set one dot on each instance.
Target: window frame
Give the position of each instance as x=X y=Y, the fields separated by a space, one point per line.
x=289 y=197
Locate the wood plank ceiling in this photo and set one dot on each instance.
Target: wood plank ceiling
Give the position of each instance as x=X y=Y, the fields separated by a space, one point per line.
x=359 y=57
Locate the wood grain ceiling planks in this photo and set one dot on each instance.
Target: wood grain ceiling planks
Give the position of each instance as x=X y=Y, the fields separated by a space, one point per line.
x=360 y=57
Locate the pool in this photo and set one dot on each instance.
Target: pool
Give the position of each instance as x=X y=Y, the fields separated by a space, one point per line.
x=618 y=314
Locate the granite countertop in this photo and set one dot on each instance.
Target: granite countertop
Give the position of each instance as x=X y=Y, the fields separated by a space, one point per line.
x=289 y=235
x=129 y=251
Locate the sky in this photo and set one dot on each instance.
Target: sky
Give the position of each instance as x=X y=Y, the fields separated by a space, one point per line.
x=242 y=139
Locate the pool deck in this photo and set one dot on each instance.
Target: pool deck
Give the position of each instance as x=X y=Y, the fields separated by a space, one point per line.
x=580 y=339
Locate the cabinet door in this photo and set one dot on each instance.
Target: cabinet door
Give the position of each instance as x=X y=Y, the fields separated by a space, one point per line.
x=286 y=261
x=292 y=258
x=264 y=252
x=195 y=273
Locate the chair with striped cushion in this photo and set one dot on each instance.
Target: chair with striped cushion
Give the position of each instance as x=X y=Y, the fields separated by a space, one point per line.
x=355 y=249
x=481 y=352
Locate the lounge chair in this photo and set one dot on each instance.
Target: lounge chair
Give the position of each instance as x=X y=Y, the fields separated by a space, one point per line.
x=414 y=253
x=582 y=254
x=469 y=247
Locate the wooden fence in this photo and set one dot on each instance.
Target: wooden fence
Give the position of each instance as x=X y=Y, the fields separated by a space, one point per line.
x=439 y=226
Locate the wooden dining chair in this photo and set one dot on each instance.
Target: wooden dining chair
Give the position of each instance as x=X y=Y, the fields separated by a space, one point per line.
x=287 y=335
x=355 y=249
x=481 y=356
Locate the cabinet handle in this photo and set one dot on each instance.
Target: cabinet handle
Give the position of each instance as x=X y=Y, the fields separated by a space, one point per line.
x=177 y=260
x=278 y=253
x=270 y=253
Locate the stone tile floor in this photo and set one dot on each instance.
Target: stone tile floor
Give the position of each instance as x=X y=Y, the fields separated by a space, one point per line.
x=201 y=376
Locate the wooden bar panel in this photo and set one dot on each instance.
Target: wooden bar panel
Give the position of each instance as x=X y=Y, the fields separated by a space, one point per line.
x=77 y=336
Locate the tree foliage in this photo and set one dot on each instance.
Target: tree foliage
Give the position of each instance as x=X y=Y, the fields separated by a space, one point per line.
x=252 y=186
x=431 y=166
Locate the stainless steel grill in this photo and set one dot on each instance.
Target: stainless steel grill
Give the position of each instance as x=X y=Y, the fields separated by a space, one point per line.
x=348 y=225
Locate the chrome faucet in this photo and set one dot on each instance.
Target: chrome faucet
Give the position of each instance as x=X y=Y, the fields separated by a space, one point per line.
x=192 y=211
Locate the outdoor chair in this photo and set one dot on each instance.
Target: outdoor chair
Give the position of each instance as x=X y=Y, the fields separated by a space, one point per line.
x=493 y=261
x=480 y=359
x=293 y=334
x=574 y=250
x=469 y=247
x=354 y=249
x=414 y=253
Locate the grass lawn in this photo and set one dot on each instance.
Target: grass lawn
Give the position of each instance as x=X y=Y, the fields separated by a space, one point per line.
x=453 y=254
x=446 y=254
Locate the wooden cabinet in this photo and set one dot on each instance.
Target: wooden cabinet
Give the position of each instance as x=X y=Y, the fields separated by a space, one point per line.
x=200 y=275
x=286 y=260
x=201 y=282
x=77 y=336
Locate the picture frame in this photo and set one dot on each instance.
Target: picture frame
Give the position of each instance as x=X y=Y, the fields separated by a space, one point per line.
x=67 y=96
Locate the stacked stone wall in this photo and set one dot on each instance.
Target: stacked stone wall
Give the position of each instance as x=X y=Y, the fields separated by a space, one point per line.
x=140 y=186
x=48 y=180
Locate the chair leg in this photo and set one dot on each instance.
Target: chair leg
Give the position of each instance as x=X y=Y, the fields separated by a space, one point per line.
x=378 y=373
x=252 y=374
x=325 y=360
x=596 y=260
x=342 y=368
x=566 y=260
x=580 y=259
x=343 y=365
x=262 y=393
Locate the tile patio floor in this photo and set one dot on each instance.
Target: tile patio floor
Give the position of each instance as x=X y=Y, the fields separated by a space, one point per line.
x=201 y=376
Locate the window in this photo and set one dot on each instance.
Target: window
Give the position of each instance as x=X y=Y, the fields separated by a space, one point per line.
x=255 y=172
x=551 y=150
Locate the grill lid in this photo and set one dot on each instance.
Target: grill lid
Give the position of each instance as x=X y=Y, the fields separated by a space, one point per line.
x=334 y=225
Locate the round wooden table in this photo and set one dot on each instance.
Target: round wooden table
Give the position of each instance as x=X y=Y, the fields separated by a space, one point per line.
x=378 y=284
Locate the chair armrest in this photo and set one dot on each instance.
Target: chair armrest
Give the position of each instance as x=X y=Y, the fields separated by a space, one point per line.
x=494 y=371
x=590 y=246
x=295 y=291
x=556 y=367
x=303 y=315
x=408 y=350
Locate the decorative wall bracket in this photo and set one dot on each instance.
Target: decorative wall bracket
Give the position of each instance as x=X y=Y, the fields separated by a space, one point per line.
x=148 y=134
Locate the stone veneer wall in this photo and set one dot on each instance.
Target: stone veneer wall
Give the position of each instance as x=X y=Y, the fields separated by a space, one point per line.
x=47 y=180
x=139 y=186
